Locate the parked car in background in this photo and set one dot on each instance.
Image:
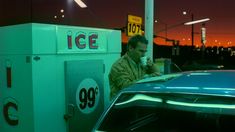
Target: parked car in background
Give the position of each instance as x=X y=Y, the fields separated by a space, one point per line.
x=181 y=102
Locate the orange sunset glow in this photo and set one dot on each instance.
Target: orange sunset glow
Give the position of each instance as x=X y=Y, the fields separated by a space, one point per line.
x=211 y=40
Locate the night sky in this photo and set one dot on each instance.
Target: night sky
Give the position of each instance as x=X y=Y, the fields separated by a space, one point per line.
x=113 y=14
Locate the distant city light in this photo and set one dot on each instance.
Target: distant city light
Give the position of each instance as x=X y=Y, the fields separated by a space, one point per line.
x=216 y=41
x=61 y=10
x=184 y=13
x=62 y=16
x=55 y=17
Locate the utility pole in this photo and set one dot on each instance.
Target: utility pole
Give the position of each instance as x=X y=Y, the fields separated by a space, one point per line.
x=192 y=31
x=192 y=37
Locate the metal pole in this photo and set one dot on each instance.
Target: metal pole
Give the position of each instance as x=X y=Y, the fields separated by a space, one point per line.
x=149 y=6
x=166 y=32
x=192 y=33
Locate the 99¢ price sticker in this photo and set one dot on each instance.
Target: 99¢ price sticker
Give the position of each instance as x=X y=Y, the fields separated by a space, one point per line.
x=87 y=95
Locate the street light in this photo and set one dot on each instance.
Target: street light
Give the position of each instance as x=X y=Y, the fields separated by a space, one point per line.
x=203 y=33
x=182 y=23
x=203 y=27
x=197 y=21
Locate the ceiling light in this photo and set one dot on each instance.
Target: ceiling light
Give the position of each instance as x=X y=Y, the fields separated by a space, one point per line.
x=80 y=3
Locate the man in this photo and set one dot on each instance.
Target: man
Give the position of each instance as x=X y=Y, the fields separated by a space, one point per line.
x=128 y=69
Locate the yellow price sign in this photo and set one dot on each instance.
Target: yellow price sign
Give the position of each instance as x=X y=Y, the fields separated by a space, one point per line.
x=134 y=19
x=134 y=25
x=133 y=29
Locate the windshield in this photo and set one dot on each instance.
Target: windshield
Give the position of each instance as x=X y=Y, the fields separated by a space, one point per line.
x=170 y=112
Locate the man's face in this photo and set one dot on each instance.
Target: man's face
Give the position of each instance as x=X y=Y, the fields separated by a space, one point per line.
x=139 y=51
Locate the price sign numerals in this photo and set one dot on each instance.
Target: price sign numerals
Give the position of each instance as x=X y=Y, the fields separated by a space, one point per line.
x=87 y=98
x=133 y=28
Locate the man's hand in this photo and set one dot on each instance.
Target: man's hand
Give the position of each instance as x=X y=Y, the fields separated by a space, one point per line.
x=155 y=74
x=149 y=62
x=152 y=67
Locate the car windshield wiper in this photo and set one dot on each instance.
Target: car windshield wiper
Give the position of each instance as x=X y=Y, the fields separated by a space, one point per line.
x=142 y=121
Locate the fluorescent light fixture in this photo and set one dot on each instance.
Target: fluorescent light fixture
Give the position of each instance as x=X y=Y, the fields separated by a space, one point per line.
x=80 y=3
x=140 y=97
x=197 y=21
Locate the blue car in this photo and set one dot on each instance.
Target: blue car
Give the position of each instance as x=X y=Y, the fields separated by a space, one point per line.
x=180 y=102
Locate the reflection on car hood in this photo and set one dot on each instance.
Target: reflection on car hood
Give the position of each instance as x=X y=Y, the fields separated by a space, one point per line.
x=160 y=78
x=221 y=82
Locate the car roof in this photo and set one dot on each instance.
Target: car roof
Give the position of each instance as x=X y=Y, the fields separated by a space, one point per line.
x=213 y=82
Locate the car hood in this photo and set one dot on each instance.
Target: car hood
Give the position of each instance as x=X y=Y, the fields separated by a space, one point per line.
x=200 y=82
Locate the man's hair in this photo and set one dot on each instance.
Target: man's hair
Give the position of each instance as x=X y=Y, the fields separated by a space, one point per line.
x=135 y=39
